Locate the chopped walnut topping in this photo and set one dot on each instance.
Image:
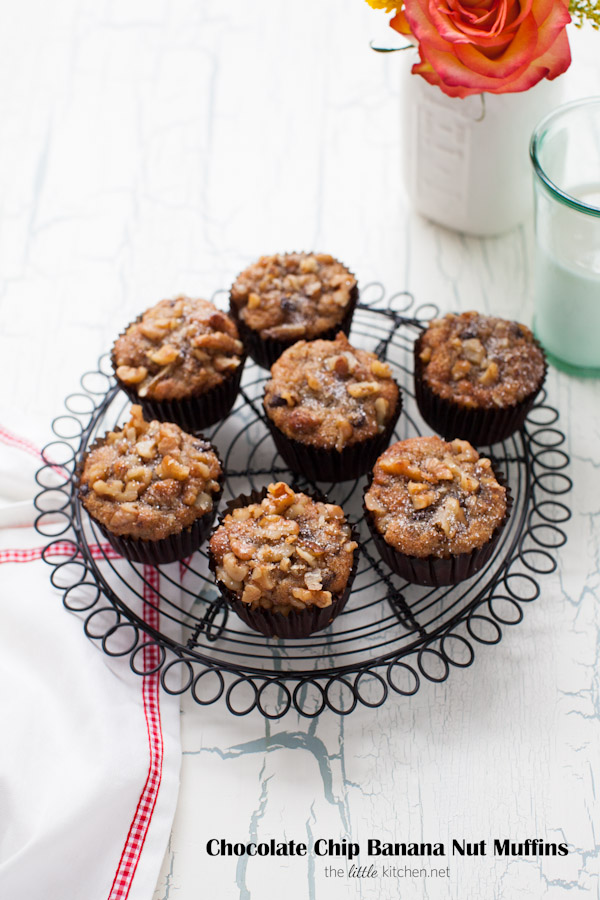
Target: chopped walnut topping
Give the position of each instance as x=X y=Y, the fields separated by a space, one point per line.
x=310 y=558
x=235 y=570
x=433 y=497
x=460 y=369
x=449 y=516
x=363 y=389
x=480 y=361
x=439 y=469
x=242 y=549
x=341 y=395
x=171 y=468
x=382 y=407
x=401 y=467
x=178 y=348
x=339 y=365
x=132 y=374
x=251 y=594
x=380 y=369
x=415 y=487
x=293 y=295
x=309 y=264
x=286 y=552
x=156 y=330
x=424 y=499
x=463 y=451
x=150 y=479
x=473 y=350
x=491 y=374
x=312 y=598
x=107 y=488
x=164 y=355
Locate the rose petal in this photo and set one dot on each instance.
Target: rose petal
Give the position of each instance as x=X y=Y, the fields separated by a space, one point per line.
x=399 y=23
x=558 y=57
x=421 y=26
x=499 y=46
x=518 y=53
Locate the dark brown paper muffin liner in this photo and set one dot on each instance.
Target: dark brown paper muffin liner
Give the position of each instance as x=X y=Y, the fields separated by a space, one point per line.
x=319 y=464
x=165 y=550
x=437 y=571
x=265 y=351
x=193 y=413
x=479 y=426
x=274 y=624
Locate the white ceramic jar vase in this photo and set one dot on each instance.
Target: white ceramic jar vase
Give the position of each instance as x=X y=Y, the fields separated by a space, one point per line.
x=466 y=161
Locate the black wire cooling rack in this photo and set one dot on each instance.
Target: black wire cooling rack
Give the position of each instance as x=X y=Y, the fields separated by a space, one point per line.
x=170 y=620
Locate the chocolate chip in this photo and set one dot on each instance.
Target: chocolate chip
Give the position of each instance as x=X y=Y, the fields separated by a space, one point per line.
x=277 y=400
x=84 y=489
x=358 y=418
x=467 y=334
x=288 y=305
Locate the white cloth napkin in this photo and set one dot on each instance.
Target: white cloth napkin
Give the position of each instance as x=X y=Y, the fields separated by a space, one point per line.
x=90 y=752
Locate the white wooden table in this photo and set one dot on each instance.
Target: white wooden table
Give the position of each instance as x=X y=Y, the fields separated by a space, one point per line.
x=150 y=148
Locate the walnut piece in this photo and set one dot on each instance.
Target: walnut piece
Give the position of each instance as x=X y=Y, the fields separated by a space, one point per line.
x=165 y=355
x=423 y=499
x=363 y=389
x=131 y=374
x=491 y=374
x=473 y=350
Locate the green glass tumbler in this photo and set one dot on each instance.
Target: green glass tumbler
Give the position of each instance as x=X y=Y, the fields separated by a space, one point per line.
x=565 y=153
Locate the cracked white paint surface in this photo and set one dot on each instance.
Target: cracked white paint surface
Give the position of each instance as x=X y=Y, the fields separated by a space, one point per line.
x=154 y=147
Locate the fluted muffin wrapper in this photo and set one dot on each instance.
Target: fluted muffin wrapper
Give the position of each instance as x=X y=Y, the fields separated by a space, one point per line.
x=297 y=624
x=480 y=426
x=265 y=350
x=164 y=550
x=193 y=413
x=437 y=571
x=321 y=464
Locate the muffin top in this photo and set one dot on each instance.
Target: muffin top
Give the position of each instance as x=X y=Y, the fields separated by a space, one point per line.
x=481 y=361
x=286 y=553
x=176 y=349
x=150 y=479
x=329 y=394
x=293 y=295
x=431 y=497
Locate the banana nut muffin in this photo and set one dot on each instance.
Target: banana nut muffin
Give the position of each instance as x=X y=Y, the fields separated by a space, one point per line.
x=327 y=398
x=284 y=560
x=182 y=359
x=291 y=296
x=477 y=376
x=149 y=483
x=435 y=500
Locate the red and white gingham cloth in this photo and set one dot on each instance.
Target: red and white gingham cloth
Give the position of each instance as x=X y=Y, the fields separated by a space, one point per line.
x=90 y=752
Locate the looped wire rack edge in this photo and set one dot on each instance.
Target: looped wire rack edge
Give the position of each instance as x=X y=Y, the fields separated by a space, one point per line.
x=171 y=622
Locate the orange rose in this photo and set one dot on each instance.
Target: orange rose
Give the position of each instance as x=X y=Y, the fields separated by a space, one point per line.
x=499 y=46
